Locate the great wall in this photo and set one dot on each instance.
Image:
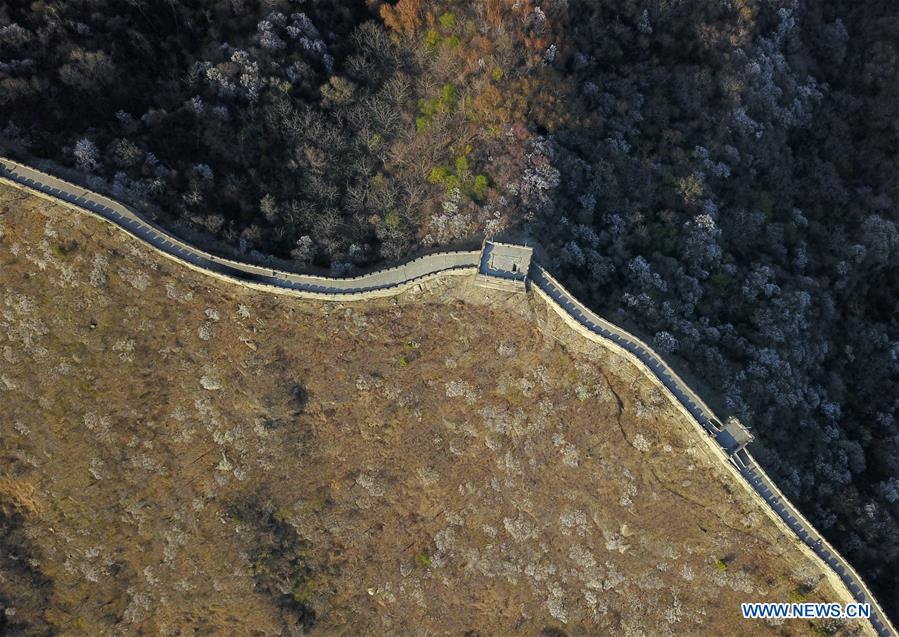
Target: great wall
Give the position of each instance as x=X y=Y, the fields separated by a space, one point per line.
x=497 y=265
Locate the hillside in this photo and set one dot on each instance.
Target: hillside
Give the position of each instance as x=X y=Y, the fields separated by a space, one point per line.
x=184 y=456
x=719 y=177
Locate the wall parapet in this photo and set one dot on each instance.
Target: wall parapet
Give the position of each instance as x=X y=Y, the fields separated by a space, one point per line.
x=754 y=477
x=694 y=404
x=393 y=280
x=136 y=225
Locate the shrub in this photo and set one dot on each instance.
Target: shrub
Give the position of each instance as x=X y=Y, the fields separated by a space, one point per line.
x=429 y=107
x=423 y=560
x=448 y=20
x=438 y=175
x=392 y=219
x=448 y=95
x=479 y=189
x=432 y=39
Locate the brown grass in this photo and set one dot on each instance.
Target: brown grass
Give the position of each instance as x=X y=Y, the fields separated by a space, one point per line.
x=188 y=457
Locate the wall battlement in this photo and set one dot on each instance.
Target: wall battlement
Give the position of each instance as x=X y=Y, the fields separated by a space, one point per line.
x=506 y=267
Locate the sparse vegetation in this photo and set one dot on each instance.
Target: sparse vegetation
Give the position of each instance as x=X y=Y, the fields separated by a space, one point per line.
x=284 y=475
x=422 y=559
x=719 y=175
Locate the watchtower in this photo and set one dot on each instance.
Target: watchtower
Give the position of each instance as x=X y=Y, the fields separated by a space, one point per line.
x=504 y=266
x=734 y=436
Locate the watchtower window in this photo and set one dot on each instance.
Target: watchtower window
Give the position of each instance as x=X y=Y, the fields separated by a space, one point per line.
x=514 y=267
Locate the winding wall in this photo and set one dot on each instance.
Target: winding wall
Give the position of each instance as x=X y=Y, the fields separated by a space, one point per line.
x=349 y=288
x=393 y=280
x=754 y=476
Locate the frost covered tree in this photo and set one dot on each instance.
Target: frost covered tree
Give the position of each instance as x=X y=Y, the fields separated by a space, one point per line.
x=87 y=155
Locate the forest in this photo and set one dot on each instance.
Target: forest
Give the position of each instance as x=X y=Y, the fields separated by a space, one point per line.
x=720 y=177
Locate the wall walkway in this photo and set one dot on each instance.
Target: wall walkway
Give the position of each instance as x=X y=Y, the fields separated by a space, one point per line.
x=748 y=468
x=392 y=280
x=148 y=232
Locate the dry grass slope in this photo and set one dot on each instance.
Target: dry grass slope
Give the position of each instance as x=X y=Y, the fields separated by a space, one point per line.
x=184 y=457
